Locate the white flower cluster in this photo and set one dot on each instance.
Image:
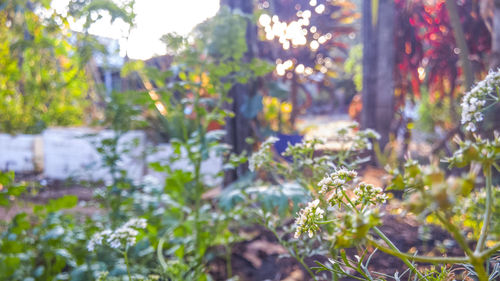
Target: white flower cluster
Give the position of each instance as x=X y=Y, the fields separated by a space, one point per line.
x=336 y=179
x=368 y=194
x=474 y=101
x=262 y=155
x=345 y=174
x=363 y=139
x=122 y=237
x=296 y=146
x=372 y=134
x=304 y=145
x=306 y=222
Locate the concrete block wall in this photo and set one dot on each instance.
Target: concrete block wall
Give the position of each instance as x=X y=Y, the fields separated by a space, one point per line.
x=17 y=153
x=71 y=153
x=63 y=153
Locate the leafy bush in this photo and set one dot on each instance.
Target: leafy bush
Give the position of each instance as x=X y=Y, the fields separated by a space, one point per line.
x=42 y=71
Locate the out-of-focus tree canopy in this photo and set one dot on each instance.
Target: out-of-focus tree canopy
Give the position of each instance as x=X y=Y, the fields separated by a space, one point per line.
x=42 y=61
x=305 y=36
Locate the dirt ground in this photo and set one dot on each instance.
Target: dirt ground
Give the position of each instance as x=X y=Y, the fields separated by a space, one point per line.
x=259 y=259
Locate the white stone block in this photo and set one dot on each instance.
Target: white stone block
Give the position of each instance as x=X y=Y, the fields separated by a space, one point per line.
x=71 y=153
x=16 y=153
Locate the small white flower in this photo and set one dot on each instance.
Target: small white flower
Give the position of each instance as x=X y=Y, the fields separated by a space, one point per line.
x=382 y=198
x=372 y=134
x=306 y=222
x=122 y=237
x=136 y=223
x=474 y=101
x=471 y=127
x=115 y=243
x=344 y=174
x=260 y=156
x=338 y=182
x=478 y=116
x=319 y=213
x=270 y=140
x=314 y=203
x=324 y=183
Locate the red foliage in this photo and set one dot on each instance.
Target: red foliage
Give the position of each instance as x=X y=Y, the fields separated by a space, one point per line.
x=424 y=38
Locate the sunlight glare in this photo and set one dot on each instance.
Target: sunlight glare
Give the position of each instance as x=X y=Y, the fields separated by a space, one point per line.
x=264 y=20
x=320 y=9
x=300 y=69
x=314 y=45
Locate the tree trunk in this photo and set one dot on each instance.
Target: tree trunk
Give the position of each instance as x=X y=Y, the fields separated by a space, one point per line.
x=378 y=67
x=369 y=67
x=384 y=99
x=495 y=37
x=239 y=128
x=495 y=57
x=458 y=32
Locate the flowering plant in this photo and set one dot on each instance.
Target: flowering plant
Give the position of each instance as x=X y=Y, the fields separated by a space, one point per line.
x=347 y=216
x=120 y=239
x=345 y=212
x=285 y=183
x=474 y=102
x=306 y=165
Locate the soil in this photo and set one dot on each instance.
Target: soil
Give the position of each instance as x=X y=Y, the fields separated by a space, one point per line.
x=37 y=193
x=259 y=258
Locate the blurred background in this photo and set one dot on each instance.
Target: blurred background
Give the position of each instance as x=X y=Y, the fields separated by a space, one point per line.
x=111 y=93
x=394 y=66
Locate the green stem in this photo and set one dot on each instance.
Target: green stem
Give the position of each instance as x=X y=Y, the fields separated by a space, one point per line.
x=292 y=253
x=455 y=232
x=400 y=256
x=198 y=157
x=229 y=268
x=325 y=222
x=349 y=200
x=417 y=258
x=350 y=276
x=490 y=251
x=487 y=215
x=478 y=265
x=362 y=272
x=125 y=256
x=301 y=261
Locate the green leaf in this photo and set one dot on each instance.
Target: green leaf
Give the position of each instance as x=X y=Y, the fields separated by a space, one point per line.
x=279 y=196
x=54 y=233
x=251 y=106
x=231 y=198
x=278 y=90
x=12 y=247
x=296 y=193
x=132 y=66
x=65 y=202
x=8 y=266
